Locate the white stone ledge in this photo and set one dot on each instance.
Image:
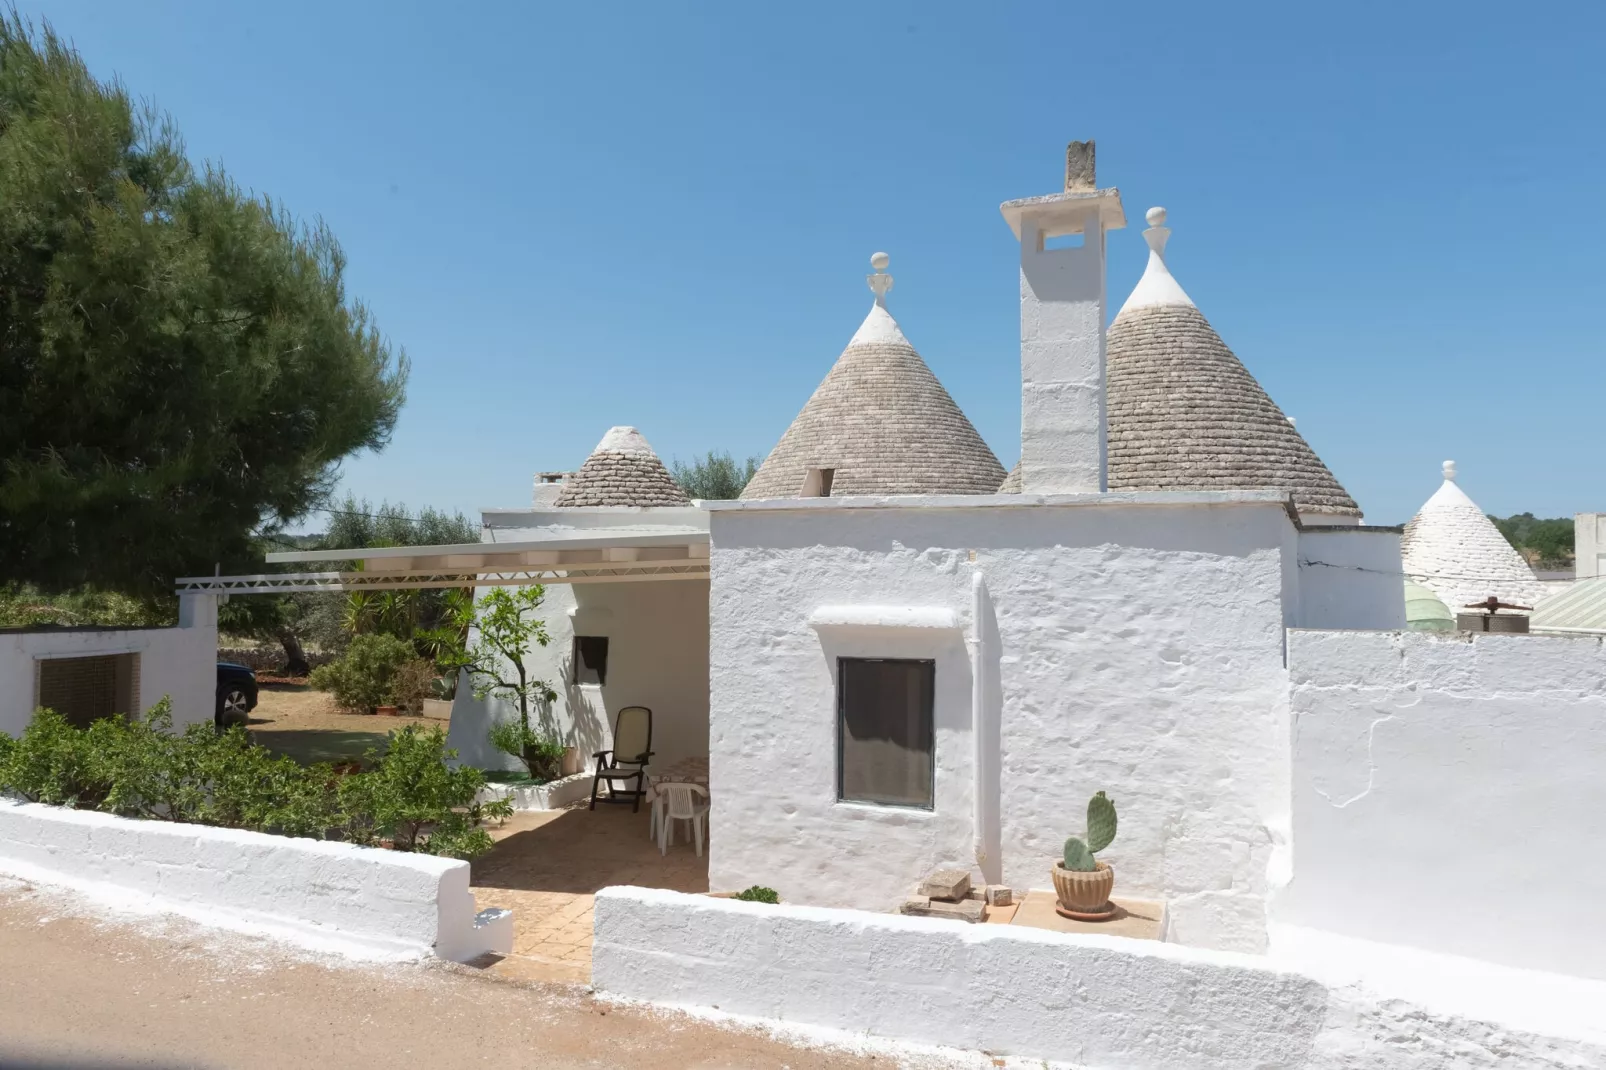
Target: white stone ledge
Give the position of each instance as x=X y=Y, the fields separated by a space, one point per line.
x=995 y=501
x=1091 y=1001
x=356 y=901
x=914 y=617
x=552 y=795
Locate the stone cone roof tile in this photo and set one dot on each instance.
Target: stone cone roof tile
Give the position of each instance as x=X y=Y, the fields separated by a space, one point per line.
x=622 y=470
x=884 y=423
x=1183 y=413
x=1454 y=550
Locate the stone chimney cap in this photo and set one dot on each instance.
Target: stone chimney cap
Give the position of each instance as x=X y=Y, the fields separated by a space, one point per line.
x=1080 y=171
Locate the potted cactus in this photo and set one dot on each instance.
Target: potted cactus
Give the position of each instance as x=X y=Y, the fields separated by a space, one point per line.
x=1081 y=882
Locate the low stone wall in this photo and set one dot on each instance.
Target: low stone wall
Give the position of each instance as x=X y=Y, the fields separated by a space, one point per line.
x=552 y=795
x=357 y=901
x=1093 y=1001
x=1447 y=792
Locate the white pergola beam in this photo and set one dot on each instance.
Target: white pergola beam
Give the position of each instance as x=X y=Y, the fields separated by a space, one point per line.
x=414 y=579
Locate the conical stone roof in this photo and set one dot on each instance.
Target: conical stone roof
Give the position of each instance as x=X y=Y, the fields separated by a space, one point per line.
x=881 y=422
x=1454 y=550
x=1183 y=413
x=622 y=470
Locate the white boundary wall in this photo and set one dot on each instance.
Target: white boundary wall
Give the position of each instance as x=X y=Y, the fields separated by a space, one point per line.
x=177 y=662
x=1088 y=1001
x=1448 y=793
x=356 y=901
x=1350 y=577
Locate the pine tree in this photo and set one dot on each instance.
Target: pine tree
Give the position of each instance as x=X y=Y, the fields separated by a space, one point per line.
x=180 y=366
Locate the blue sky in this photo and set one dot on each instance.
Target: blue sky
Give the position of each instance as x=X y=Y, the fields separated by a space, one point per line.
x=661 y=214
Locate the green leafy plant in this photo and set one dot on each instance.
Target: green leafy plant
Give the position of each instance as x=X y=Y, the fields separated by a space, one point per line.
x=714 y=476
x=505 y=627
x=417 y=800
x=368 y=674
x=413 y=797
x=52 y=762
x=541 y=754
x=1100 y=834
x=758 y=894
x=182 y=361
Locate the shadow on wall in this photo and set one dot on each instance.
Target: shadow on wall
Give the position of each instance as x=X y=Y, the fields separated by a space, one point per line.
x=588 y=731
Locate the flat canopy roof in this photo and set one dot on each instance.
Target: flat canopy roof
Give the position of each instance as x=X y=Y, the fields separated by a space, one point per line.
x=545 y=553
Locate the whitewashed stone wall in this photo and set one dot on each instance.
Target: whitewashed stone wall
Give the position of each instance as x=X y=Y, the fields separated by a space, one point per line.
x=1090 y=1001
x=177 y=662
x=1139 y=651
x=1350 y=577
x=356 y=901
x=1448 y=793
x=657 y=657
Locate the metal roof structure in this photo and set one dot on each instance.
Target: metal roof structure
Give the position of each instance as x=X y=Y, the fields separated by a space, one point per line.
x=1579 y=610
x=605 y=545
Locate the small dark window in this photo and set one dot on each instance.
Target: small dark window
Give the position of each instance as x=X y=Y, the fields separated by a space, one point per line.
x=591 y=659
x=885 y=731
x=84 y=690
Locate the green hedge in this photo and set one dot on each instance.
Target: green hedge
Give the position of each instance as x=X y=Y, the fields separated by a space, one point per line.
x=410 y=797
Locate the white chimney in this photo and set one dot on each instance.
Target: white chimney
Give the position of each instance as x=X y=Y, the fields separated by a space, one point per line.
x=1062 y=319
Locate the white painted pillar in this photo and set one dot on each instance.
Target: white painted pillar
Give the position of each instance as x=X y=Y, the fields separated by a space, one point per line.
x=197 y=609
x=1062 y=317
x=985 y=733
x=1589 y=545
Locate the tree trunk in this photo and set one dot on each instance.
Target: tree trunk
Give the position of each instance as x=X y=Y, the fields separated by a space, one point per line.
x=295 y=659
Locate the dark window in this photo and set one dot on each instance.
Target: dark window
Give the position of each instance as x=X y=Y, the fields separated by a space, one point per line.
x=84 y=690
x=884 y=731
x=591 y=659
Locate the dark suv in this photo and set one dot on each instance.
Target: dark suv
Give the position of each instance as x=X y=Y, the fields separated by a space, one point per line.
x=236 y=694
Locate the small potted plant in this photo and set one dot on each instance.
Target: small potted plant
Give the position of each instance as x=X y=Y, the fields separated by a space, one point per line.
x=1082 y=883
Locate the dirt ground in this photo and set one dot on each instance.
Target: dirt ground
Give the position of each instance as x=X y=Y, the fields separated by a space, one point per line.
x=293 y=719
x=85 y=992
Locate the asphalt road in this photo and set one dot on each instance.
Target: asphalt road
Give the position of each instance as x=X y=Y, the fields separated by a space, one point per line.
x=80 y=990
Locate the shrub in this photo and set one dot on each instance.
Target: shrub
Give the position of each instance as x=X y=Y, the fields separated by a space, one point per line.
x=418 y=801
x=367 y=676
x=541 y=754
x=412 y=796
x=52 y=762
x=758 y=894
x=414 y=682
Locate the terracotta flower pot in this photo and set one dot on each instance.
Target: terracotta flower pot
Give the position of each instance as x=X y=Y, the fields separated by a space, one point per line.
x=385 y=711
x=1084 y=893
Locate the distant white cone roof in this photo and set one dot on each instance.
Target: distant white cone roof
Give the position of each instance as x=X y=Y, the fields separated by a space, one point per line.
x=881 y=422
x=1454 y=550
x=622 y=470
x=1185 y=414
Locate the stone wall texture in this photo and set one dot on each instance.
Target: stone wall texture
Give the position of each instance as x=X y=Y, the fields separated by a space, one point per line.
x=1086 y=1001
x=1447 y=794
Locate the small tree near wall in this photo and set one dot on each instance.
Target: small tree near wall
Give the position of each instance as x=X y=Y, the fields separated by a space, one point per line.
x=504 y=630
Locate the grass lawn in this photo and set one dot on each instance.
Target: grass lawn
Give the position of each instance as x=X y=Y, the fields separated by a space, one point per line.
x=295 y=720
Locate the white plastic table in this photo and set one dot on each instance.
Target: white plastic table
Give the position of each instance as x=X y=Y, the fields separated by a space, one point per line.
x=685 y=771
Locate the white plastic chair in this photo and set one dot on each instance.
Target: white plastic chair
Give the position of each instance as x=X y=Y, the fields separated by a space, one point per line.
x=680 y=804
x=657 y=816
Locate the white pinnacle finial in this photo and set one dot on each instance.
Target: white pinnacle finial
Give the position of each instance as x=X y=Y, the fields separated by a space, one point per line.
x=880 y=282
x=1157 y=233
x=1157 y=289
x=1449 y=471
